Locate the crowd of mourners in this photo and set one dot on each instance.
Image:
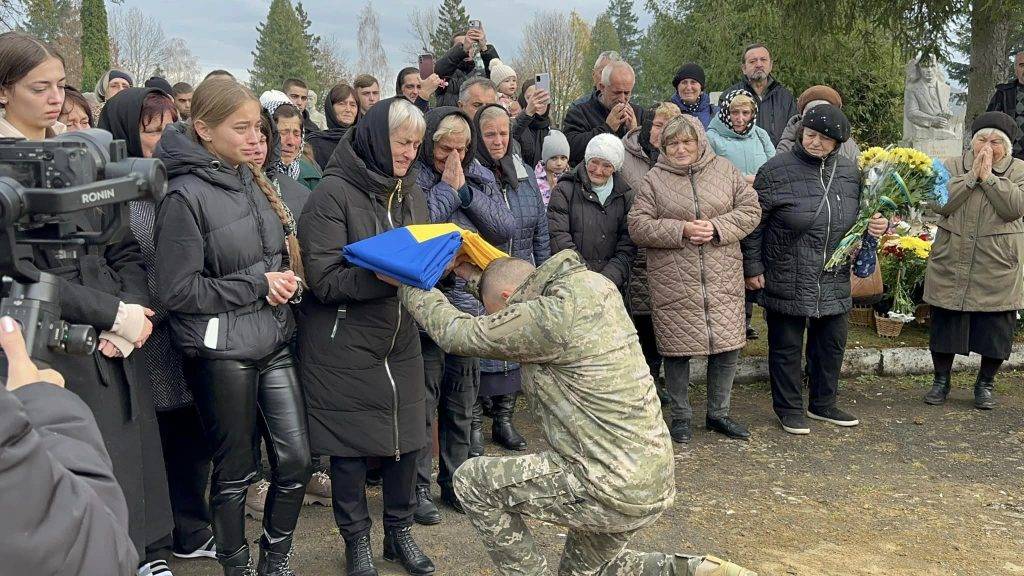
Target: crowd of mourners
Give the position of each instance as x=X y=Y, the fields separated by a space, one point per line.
x=245 y=367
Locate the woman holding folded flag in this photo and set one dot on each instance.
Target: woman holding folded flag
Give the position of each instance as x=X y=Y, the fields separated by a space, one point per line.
x=361 y=365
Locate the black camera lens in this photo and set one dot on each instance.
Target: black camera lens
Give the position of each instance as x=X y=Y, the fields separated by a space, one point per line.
x=79 y=339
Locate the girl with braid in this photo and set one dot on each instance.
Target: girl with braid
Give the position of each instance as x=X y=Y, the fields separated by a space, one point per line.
x=227 y=265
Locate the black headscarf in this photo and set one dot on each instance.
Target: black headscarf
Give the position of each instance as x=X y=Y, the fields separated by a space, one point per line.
x=505 y=168
x=272 y=164
x=401 y=75
x=645 y=137
x=522 y=93
x=372 y=140
x=121 y=116
x=332 y=118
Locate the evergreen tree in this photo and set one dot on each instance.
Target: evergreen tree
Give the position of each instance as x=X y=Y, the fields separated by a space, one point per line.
x=282 y=50
x=452 y=19
x=44 y=18
x=95 y=42
x=603 y=37
x=624 y=19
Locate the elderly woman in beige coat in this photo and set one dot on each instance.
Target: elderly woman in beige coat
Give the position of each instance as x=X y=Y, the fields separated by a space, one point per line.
x=690 y=213
x=975 y=279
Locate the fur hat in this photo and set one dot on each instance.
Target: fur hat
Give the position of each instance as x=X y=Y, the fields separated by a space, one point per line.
x=606 y=147
x=819 y=92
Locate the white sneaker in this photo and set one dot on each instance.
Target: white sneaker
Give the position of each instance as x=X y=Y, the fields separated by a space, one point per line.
x=207 y=550
x=155 y=568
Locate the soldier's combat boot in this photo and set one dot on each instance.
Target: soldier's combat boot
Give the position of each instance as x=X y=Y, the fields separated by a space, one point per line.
x=502 y=431
x=711 y=566
x=940 y=389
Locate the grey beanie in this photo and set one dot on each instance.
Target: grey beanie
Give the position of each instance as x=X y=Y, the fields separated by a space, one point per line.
x=555 y=144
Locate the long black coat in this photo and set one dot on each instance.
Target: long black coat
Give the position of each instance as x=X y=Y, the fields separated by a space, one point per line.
x=789 y=247
x=578 y=221
x=359 y=350
x=93 y=281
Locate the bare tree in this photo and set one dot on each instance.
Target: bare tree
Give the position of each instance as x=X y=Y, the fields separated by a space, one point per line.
x=372 y=58
x=179 y=63
x=331 y=64
x=422 y=23
x=140 y=42
x=553 y=42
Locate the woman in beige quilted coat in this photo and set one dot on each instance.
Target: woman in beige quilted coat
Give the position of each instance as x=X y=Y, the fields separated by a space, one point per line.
x=690 y=213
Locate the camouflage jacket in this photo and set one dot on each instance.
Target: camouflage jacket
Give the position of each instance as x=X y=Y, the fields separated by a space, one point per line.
x=583 y=373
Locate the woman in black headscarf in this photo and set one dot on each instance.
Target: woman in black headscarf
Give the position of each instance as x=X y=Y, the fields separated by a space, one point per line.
x=342 y=111
x=138 y=116
x=359 y=350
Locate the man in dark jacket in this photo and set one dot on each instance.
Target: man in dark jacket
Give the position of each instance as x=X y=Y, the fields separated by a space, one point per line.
x=458 y=64
x=64 y=512
x=461 y=191
x=1009 y=98
x=776 y=104
x=603 y=59
x=610 y=112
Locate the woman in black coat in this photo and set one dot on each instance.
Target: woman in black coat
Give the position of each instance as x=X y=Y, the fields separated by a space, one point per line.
x=103 y=287
x=138 y=116
x=342 y=112
x=810 y=198
x=362 y=369
x=588 y=208
x=227 y=266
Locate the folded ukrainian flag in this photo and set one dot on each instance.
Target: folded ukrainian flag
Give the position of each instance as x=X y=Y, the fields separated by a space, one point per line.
x=417 y=255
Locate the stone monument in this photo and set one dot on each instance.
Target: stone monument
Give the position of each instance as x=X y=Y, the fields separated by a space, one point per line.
x=928 y=123
x=315 y=114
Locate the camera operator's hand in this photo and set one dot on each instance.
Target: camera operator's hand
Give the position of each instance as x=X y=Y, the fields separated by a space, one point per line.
x=282 y=286
x=21 y=370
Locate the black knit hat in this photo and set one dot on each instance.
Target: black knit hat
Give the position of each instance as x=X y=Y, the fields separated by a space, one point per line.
x=828 y=120
x=122 y=75
x=692 y=71
x=998 y=120
x=161 y=83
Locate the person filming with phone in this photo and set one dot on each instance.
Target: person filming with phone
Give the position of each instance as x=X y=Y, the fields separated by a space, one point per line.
x=459 y=63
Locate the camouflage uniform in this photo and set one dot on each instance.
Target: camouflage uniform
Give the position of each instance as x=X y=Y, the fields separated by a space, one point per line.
x=610 y=470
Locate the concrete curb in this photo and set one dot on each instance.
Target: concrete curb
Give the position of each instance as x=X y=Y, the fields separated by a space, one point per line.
x=864 y=362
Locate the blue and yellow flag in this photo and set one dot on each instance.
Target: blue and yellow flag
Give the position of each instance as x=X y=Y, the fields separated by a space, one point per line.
x=417 y=255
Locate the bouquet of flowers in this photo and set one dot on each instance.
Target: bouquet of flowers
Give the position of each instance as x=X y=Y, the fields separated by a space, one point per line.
x=904 y=260
x=894 y=182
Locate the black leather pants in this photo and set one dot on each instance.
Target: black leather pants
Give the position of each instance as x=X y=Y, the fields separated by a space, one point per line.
x=237 y=400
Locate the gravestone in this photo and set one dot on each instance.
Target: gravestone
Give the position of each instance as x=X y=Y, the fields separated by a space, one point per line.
x=929 y=123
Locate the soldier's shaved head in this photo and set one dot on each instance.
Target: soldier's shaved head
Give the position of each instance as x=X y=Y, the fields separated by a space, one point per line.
x=501 y=278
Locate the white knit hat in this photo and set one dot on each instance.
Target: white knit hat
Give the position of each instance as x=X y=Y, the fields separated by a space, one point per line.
x=500 y=71
x=555 y=144
x=608 y=148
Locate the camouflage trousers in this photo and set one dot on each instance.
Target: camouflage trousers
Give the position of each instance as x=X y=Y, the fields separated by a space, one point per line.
x=498 y=492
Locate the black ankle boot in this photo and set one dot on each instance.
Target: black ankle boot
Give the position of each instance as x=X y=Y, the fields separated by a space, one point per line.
x=274 y=558
x=983 y=398
x=502 y=431
x=476 y=431
x=400 y=547
x=940 y=389
x=359 y=557
x=238 y=564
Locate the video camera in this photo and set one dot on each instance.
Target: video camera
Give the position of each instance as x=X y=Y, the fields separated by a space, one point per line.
x=42 y=184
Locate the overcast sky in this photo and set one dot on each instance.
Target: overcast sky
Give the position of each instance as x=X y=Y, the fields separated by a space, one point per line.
x=222 y=33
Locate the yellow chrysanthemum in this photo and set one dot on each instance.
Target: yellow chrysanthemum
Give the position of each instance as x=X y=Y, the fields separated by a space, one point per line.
x=872 y=156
